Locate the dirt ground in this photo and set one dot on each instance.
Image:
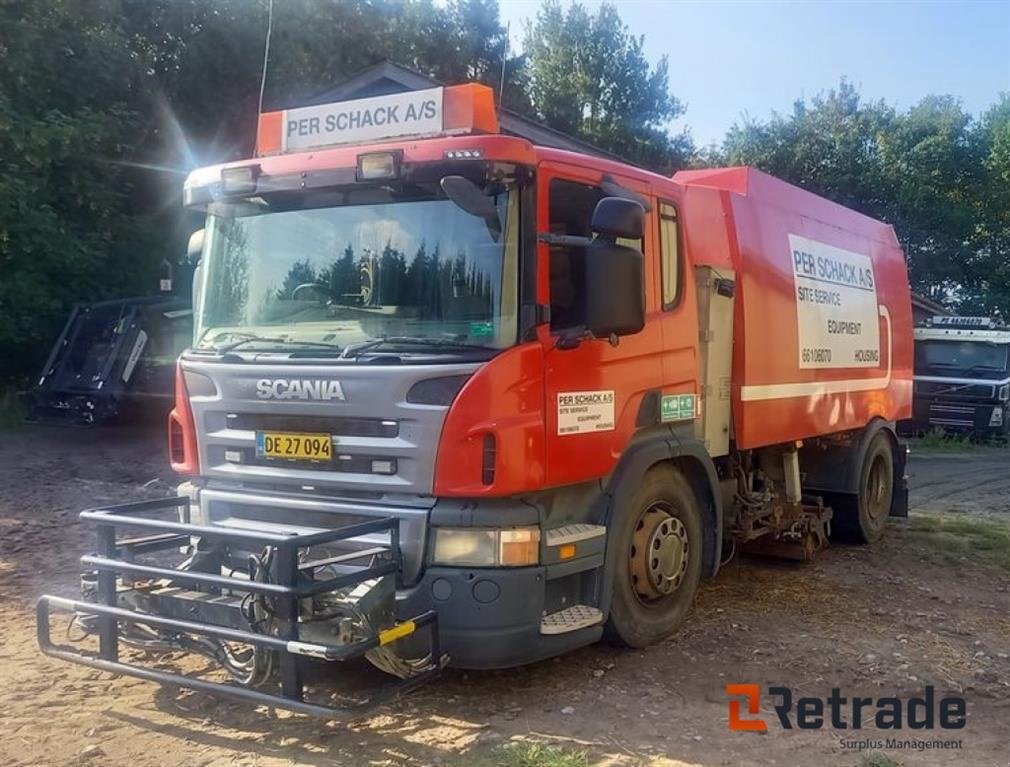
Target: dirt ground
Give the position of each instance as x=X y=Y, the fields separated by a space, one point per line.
x=886 y=620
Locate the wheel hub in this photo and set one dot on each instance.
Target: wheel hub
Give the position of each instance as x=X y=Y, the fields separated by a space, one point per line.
x=659 y=554
x=876 y=490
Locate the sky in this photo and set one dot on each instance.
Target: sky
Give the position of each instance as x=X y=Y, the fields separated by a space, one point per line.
x=734 y=59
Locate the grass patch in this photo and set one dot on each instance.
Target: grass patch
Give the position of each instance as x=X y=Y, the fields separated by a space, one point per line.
x=939 y=441
x=528 y=755
x=878 y=760
x=956 y=536
x=12 y=411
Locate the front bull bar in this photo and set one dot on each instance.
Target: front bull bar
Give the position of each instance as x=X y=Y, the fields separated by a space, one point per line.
x=289 y=587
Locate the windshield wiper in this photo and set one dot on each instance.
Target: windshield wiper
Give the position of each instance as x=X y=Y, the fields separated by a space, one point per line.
x=225 y=348
x=448 y=344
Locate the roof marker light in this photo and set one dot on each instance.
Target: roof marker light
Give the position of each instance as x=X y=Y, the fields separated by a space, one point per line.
x=463 y=154
x=378 y=165
x=240 y=179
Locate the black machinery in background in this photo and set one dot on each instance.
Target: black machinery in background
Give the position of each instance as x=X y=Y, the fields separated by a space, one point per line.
x=117 y=357
x=110 y=356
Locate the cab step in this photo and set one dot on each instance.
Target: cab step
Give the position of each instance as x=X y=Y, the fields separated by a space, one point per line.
x=571 y=619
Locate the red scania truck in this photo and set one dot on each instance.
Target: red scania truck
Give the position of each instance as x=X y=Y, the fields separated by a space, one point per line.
x=457 y=399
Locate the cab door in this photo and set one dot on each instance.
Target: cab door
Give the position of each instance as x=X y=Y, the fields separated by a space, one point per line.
x=593 y=391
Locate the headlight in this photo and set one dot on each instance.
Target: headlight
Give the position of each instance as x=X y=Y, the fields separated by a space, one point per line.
x=1004 y=393
x=482 y=547
x=996 y=419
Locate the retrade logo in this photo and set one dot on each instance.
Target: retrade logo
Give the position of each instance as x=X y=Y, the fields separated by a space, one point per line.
x=281 y=388
x=841 y=712
x=753 y=695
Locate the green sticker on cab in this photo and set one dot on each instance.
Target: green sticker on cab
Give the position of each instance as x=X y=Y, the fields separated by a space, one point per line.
x=676 y=407
x=481 y=329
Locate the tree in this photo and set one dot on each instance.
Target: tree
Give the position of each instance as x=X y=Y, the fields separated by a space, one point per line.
x=106 y=105
x=588 y=76
x=68 y=228
x=918 y=170
x=992 y=233
x=299 y=273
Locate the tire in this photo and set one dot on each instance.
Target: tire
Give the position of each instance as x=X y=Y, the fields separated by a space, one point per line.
x=651 y=598
x=862 y=518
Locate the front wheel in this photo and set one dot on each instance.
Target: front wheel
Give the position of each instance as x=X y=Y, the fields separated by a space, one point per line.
x=658 y=539
x=862 y=518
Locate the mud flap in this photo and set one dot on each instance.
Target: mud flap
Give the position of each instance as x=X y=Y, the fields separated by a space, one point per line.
x=899 y=498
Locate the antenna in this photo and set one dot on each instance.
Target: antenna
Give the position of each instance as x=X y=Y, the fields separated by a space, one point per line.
x=504 y=59
x=266 y=58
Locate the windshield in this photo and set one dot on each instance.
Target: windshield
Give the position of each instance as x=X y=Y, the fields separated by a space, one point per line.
x=975 y=359
x=417 y=272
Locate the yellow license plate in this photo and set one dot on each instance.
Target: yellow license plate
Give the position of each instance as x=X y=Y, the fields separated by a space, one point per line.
x=294 y=446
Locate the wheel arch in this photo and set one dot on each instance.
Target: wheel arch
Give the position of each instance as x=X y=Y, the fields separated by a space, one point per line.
x=655 y=447
x=820 y=465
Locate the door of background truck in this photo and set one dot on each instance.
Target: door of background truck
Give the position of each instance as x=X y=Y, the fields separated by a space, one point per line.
x=594 y=390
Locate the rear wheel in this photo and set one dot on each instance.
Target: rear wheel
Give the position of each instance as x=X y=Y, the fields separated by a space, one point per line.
x=862 y=518
x=658 y=537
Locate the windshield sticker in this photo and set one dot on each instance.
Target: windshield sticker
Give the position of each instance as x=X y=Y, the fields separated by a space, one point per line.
x=585 y=411
x=836 y=306
x=677 y=407
x=481 y=329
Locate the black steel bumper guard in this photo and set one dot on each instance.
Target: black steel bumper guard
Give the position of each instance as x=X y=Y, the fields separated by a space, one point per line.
x=289 y=587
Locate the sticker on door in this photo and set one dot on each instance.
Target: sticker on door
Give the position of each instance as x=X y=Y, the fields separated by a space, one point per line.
x=585 y=411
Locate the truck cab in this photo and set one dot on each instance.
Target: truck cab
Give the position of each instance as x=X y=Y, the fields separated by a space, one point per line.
x=962 y=377
x=408 y=330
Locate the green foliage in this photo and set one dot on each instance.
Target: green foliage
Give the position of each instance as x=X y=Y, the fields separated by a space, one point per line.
x=12 y=410
x=958 y=536
x=939 y=441
x=589 y=77
x=528 y=755
x=932 y=172
x=992 y=237
x=878 y=759
x=105 y=105
x=68 y=230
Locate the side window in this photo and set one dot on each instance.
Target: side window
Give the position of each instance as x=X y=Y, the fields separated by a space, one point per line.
x=571 y=205
x=669 y=242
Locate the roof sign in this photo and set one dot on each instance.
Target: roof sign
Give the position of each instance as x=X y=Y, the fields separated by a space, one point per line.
x=433 y=111
x=986 y=323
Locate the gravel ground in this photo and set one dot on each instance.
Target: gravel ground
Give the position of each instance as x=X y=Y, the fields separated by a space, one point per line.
x=889 y=619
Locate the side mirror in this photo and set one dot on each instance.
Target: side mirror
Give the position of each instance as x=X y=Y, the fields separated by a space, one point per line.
x=619 y=218
x=193 y=251
x=195 y=288
x=615 y=289
x=195 y=246
x=615 y=274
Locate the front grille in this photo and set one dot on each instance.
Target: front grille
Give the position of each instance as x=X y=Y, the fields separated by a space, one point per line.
x=955 y=390
x=336 y=426
x=951 y=415
x=280 y=488
x=321 y=519
x=938 y=407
